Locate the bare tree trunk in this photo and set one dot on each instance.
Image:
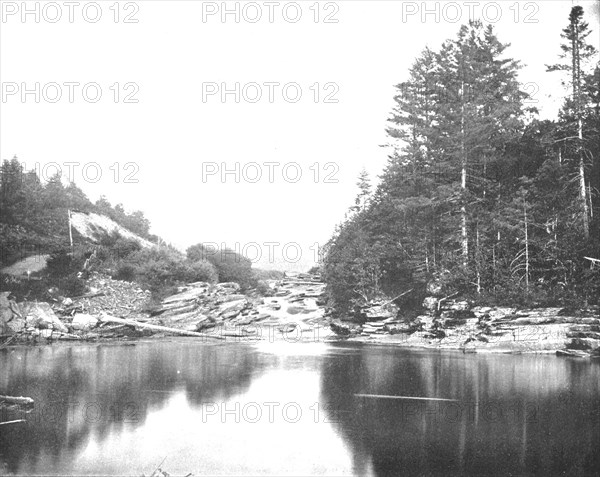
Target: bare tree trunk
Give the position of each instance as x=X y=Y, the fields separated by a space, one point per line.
x=478 y=260
x=526 y=248
x=582 y=186
x=576 y=77
x=463 y=183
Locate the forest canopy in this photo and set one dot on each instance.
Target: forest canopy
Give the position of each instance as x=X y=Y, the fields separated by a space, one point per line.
x=479 y=194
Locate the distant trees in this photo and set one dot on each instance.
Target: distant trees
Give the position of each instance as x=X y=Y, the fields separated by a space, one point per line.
x=34 y=215
x=229 y=265
x=162 y=268
x=135 y=221
x=475 y=192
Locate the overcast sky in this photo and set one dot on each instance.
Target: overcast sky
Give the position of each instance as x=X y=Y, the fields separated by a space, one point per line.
x=164 y=154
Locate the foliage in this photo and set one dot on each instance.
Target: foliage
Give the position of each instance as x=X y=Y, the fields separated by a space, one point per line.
x=230 y=265
x=477 y=188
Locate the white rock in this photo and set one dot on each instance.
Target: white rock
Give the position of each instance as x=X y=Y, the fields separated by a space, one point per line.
x=84 y=322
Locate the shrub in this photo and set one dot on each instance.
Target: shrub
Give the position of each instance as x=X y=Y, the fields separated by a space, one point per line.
x=62 y=263
x=264 y=289
x=126 y=272
x=160 y=268
x=72 y=285
x=230 y=265
x=202 y=271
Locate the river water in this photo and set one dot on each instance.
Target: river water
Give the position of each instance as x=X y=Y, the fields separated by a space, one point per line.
x=297 y=409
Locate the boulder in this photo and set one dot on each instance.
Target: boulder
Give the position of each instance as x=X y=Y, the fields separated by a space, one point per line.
x=454 y=305
x=380 y=312
x=501 y=312
x=40 y=315
x=184 y=296
x=11 y=318
x=229 y=286
x=481 y=311
x=340 y=328
x=84 y=322
x=584 y=343
x=234 y=297
x=590 y=321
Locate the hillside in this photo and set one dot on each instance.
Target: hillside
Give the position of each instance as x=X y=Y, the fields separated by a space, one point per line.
x=95 y=227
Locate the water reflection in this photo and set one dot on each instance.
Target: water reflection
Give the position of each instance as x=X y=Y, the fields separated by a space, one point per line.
x=86 y=394
x=511 y=415
x=309 y=408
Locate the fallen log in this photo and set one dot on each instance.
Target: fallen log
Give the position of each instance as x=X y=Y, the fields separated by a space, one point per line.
x=399 y=296
x=111 y=319
x=441 y=300
x=12 y=422
x=16 y=400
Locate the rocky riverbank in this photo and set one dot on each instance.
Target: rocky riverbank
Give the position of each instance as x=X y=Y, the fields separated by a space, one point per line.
x=291 y=309
x=457 y=325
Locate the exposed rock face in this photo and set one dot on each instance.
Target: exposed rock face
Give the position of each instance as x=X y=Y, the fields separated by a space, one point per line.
x=456 y=324
x=585 y=336
x=11 y=318
x=221 y=308
x=40 y=315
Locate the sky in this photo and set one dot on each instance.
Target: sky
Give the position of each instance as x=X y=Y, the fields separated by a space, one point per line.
x=243 y=124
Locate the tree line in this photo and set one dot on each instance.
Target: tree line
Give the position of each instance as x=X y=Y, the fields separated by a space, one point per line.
x=34 y=221
x=479 y=194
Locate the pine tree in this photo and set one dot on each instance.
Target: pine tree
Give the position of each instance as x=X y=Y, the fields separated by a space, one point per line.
x=579 y=52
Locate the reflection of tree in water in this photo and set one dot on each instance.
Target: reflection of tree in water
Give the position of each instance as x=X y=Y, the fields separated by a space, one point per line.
x=113 y=386
x=513 y=414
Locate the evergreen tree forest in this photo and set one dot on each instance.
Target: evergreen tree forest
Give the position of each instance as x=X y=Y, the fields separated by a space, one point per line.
x=34 y=222
x=34 y=215
x=480 y=196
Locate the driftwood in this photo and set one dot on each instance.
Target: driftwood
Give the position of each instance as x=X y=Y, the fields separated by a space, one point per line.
x=441 y=300
x=12 y=422
x=399 y=296
x=16 y=400
x=111 y=319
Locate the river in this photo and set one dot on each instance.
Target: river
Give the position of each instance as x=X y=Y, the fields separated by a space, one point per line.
x=297 y=409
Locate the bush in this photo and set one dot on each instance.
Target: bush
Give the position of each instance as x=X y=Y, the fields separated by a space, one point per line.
x=72 y=285
x=126 y=272
x=158 y=269
x=114 y=247
x=263 y=288
x=202 y=271
x=62 y=263
x=230 y=265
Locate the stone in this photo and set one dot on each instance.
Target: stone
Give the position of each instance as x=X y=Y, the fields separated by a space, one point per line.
x=40 y=315
x=84 y=322
x=590 y=321
x=229 y=286
x=481 y=311
x=340 y=328
x=454 y=305
x=379 y=312
x=234 y=297
x=584 y=343
x=11 y=319
x=501 y=312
